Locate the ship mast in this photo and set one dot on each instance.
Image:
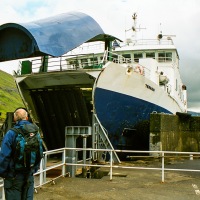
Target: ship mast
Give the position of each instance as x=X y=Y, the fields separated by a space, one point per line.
x=134 y=29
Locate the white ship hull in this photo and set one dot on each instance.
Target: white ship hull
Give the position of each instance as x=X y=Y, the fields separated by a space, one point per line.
x=122 y=99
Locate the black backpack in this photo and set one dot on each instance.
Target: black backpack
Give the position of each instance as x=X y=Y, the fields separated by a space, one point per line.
x=28 y=149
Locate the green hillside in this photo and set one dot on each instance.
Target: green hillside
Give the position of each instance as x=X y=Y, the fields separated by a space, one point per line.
x=9 y=96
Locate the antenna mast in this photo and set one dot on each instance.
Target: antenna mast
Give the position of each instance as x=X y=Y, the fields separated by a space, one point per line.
x=134 y=17
x=134 y=27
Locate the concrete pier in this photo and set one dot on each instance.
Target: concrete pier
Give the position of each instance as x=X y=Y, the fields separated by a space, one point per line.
x=180 y=132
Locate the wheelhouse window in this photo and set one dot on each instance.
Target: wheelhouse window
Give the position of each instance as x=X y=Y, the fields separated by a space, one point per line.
x=150 y=55
x=137 y=56
x=127 y=58
x=161 y=57
x=72 y=63
x=164 y=56
x=93 y=61
x=168 y=56
x=115 y=58
x=84 y=62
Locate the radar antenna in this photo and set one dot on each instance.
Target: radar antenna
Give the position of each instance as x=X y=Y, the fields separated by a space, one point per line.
x=160 y=35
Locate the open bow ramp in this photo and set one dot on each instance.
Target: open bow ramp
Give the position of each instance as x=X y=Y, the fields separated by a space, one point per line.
x=53 y=36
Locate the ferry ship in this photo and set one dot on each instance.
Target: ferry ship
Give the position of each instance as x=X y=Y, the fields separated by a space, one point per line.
x=83 y=73
x=140 y=77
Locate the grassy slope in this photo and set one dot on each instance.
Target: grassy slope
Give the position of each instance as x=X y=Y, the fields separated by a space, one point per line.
x=9 y=96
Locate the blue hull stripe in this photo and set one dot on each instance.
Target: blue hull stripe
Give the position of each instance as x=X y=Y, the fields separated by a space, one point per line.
x=117 y=111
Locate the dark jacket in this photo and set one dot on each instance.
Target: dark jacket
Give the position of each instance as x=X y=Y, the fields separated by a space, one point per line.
x=7 y=169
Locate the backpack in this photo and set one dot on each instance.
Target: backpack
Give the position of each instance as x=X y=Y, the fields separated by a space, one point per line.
x=28 y=149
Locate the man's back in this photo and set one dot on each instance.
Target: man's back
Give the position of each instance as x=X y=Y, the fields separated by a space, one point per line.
x=18 y=184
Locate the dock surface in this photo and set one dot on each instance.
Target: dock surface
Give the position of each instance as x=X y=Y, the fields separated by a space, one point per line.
x=129 y=184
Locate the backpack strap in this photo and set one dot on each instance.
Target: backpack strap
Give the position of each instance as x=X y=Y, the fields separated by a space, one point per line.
x=14 y=145
x=17 y=130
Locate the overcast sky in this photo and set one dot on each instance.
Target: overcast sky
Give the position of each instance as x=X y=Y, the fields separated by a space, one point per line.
x=172 y=17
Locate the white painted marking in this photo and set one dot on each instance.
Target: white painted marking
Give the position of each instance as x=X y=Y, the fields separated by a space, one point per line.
x=197 y=191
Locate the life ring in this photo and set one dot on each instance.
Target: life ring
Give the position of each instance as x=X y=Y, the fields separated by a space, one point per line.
x=139 y=69
x=129 y=70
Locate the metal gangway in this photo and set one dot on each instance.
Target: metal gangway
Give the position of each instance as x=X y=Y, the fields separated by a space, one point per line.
x=100 y=140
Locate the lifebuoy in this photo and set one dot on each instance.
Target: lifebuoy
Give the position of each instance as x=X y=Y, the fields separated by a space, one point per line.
x=139 y=69
x=129 y=70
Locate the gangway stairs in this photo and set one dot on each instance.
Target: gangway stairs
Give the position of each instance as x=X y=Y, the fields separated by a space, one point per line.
x=100 y=140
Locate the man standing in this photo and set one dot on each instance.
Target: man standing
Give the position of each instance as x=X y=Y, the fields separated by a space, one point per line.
x=18 y=184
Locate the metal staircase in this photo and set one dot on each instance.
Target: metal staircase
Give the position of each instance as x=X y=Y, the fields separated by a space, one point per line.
x=100 y=140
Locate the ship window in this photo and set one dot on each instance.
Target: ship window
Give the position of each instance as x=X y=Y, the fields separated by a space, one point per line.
x=127 y=58
x=84 y=62
x=137 y=56
x=165 y=56
x=150 y=55
x=73 y=63
x=161 y=57
x=93 y=61
x=169 y=56
x=115 y=58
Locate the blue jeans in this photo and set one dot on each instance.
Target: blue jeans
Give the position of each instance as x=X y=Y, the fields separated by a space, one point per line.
x=20 y=187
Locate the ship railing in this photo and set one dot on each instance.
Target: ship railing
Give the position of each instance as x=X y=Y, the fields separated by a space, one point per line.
x=88 y=48
x=116 y=58
x=97 y=47
x=70 y=62
x=49 y=166
x=162 y=155
x=147 y=42
x=62 y=63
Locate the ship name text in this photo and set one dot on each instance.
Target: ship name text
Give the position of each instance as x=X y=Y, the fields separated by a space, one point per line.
x=149 y=87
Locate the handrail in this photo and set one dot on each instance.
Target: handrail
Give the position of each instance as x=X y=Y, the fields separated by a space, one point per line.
x=80 y=61
x=105 y=139
x=157 y=154
x=111 y=165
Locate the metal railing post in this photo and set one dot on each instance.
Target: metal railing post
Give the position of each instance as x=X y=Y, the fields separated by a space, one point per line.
x=3 y=194
x=41 y=171
x=64 y=162
x=84 y=169
x=163 y=167
x=2 y=188
x=43 y=165
x=111 y=161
